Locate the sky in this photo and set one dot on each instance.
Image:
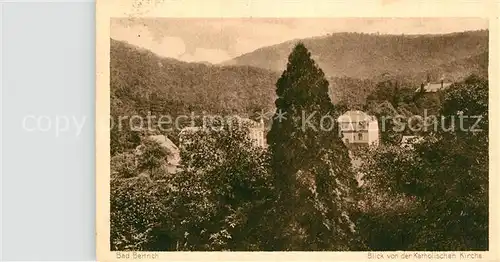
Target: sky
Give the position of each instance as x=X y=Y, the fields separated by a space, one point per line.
x=216 y=40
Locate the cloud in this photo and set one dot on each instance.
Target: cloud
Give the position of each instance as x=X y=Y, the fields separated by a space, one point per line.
x=206 y=55
x=172 y=46
x=141 y=36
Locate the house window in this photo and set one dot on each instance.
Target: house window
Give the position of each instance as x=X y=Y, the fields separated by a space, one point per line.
x=360 y=136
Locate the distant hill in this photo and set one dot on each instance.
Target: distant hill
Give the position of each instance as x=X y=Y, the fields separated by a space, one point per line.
x=142 y=81
x=367 y=56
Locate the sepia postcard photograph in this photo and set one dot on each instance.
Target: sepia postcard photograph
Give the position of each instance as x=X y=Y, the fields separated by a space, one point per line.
x=292 y=134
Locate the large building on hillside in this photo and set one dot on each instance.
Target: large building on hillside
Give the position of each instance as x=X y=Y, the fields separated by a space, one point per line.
x=430 y=87
x=256 y=132
x=358 y=128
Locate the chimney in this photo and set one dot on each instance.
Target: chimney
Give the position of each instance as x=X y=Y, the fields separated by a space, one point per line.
x=422 y=87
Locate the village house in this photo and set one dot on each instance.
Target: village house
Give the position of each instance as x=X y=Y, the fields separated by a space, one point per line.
x=358 y=129
x=430 y=87
x=256 y=132
x=173 y=158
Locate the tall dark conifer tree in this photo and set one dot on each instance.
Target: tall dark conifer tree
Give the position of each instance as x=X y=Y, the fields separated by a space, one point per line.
x=313 y=174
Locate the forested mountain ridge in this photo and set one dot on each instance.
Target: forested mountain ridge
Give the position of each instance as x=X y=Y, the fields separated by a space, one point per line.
x=139 y=76
x=367 y=56
x=353 y=63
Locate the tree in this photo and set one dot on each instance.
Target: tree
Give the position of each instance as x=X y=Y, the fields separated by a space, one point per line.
x=138 y=206
x=224 y=195
x=445 y=176
x=388 y=209
x=468 y=98
x=151 y=157
x=310 y=163
x=122 y=137
x=387 y=90
x=454 y=177
x=123 y=165
x=394 y=102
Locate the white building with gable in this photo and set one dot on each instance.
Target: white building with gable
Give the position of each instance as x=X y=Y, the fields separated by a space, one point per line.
x=358 y=128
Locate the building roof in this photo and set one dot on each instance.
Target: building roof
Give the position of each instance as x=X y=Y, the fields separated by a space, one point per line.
x=434 y=87
x=233 y=120
x=165 y=142
x=355 y=116
x=174 y=158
